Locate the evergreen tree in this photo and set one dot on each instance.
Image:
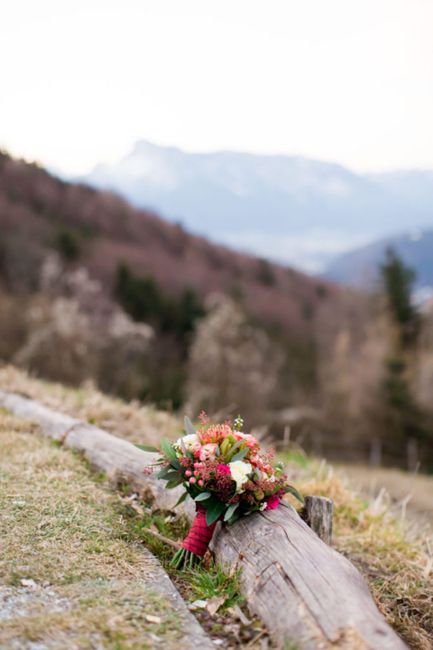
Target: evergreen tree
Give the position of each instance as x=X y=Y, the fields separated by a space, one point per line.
x=403 y=415
x=398 y=282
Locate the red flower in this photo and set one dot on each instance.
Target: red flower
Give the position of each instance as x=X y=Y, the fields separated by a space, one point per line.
x=223 y=469
x=272 y=502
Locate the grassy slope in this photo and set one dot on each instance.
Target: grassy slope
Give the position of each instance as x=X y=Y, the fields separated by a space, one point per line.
x=398 y=566
x=67 y=576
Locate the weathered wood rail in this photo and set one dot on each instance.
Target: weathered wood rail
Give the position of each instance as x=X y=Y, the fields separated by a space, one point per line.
x=303 y=590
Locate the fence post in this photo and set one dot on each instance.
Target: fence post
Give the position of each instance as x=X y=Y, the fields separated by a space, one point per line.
x=412 y=454
x=375 y=457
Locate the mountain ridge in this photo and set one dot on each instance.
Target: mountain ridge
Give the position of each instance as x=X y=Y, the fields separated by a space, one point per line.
x=291 y=209
x=360 y=267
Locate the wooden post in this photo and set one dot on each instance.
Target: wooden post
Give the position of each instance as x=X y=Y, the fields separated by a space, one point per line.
x=412 y=454
x=317 y=514
x=375 y=458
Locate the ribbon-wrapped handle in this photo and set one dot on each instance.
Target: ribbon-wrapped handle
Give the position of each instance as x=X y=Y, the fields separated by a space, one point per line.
x=198 y=539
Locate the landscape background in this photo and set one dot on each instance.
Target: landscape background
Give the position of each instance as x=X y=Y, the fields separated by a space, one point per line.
x=94 y=289
x=225 y=206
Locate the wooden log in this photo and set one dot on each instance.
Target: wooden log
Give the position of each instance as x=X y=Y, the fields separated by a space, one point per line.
x=122 y=461
x=301 y=588
x=305 y=592
x=317 y=514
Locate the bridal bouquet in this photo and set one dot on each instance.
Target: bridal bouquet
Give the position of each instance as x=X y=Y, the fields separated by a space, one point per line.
x=226 y=473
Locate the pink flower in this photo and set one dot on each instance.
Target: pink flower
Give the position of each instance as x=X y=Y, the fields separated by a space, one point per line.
x=192 y=480
x=201 y=483
x=248 y=439
x=215 y=433
x=272 y=502
x=208 y=451
x=188 y=472
x=203 y=418
x=223 y=469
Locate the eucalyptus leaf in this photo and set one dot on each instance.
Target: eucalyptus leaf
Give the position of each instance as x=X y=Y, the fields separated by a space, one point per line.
x=230 y=510
x=203 y=496
x=147 y=448
x=233 y=518
x=189 y=428
x=168 y=449
x=181 y=499
x=174 y=482
x=166 y=472
x=291 y=490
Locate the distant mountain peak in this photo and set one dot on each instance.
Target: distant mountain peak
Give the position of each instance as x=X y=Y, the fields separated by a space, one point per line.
x=289 y=208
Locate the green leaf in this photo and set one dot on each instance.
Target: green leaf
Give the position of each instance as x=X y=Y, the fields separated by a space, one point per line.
x=181 y=499
x=168 y=449
x=168 y=473
x=175 y=463
x=233 y=448
x=240 y=455
x=203 y=496
x=230 y=510
x=291 y=490
x=189 y=428
x=209 y=503
x=174 y=482
x=147 y=448
x=213 y=513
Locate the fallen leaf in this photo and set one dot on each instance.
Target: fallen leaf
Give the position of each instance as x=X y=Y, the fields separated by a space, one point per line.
x=198 y=604
x=152 y=619
x=28 y=583
x=213 y=604
x=236 y=611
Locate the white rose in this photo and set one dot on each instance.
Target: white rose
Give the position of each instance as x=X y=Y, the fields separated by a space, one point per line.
x=189 y=442
x=239 y=472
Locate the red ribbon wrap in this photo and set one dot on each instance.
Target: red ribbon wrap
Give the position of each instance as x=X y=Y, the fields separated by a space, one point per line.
x=200 y=535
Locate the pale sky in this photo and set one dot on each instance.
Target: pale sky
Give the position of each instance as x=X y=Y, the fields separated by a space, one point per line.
x=349 y=81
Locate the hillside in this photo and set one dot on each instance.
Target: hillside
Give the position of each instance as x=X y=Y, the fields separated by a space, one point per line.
x=92 y=288
x=39 y=213
x=289 y=208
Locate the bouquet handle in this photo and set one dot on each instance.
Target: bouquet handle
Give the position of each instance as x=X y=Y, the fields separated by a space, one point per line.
x=196 y=543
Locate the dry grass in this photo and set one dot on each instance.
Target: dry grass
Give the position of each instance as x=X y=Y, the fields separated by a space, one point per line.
x=67 y=576
x=397 y=564
x=411 y=494
x=133 y=421
x=396 y=561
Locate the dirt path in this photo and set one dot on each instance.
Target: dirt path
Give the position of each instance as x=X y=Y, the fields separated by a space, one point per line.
x=69 y=577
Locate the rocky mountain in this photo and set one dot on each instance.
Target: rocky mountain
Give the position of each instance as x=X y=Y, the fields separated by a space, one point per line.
x=292 y=209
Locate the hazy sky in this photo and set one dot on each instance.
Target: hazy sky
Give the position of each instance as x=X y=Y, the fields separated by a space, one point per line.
x=343 y=80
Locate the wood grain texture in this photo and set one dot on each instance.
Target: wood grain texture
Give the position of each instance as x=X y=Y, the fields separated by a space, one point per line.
x=305 y=592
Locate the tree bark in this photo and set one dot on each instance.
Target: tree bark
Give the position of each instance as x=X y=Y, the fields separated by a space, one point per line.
x=305 y=592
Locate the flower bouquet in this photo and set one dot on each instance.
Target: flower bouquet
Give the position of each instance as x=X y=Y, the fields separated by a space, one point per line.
x=227 y=475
